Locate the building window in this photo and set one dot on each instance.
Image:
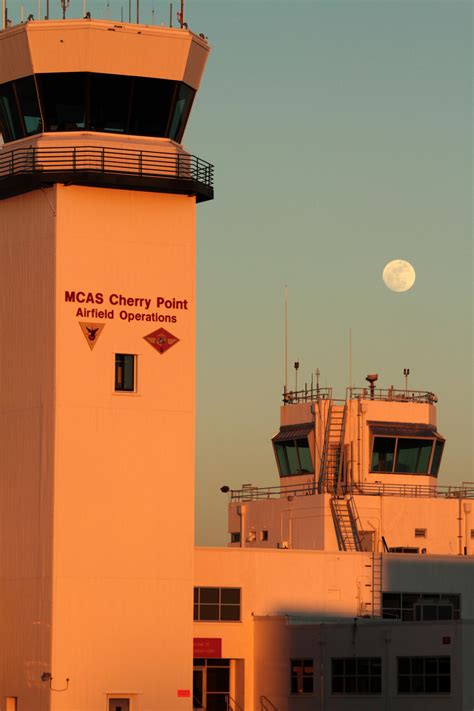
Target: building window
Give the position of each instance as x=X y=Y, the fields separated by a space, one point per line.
x=119 y=704
x=125 y=374
x=422 y=607
x=294 y=457
x=235 y=537
x=217 y=604
x=264 y=535
x=420 y=532
x=11 y=703
x=357 y=675
x=424 y=675
x=301 y=678
x=406 y=455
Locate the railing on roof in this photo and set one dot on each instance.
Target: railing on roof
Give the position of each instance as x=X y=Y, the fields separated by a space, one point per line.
x=158 y=170
x=249 y=493
x=295 y=397
x=390 y=394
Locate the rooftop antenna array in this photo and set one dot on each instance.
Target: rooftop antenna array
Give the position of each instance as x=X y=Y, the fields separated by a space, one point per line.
x=406 y=373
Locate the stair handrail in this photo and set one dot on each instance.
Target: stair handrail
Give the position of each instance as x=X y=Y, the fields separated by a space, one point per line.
x=355 y=521
x=235 y=706
x=264 y=700
x=324 y=455
x=341 y=450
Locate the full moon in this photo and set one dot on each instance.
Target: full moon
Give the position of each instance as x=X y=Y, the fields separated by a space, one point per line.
x=399 y=275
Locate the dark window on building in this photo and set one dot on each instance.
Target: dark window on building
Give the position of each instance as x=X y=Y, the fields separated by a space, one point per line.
x=235 y=537
x=383 y=454
x=301 y=676
x=424 y=675
x=181 y=111
x=421 y=606
x=10 y=121
x=110 y=103
x=64 y=100
x=29 y=105
x=294 y=457
x=406 y=455
x=264 y=535
x=357 y=675
x=89 y=101
x=217 y=604
x=124 y=372
x=438 y=452
x=420 y=532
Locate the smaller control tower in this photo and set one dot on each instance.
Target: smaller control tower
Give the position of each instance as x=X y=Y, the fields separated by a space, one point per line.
x=97 y=305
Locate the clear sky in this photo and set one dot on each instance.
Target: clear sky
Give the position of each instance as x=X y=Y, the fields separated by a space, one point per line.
x=341 y=136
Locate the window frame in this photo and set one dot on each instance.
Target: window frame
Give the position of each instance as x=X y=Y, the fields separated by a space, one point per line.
x=198 y=605
x=298 y=680
x=285 y=458
x=123 y=390
x=358 y=674
x=423 y=675
x=407 y=612
x=435 y=441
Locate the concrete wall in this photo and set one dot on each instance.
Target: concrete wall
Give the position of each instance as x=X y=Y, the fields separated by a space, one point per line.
x=123 y=555
x=27 y=358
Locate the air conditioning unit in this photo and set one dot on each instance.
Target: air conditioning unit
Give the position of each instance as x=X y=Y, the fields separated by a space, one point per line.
x=283 y=544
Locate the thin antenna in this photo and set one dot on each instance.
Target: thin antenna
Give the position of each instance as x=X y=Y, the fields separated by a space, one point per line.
x=39 y=10
x=350 y=363
x=22 y=13
x=286 y=339
x=296 y=366
x=84 y=8
x=138 y=12
x=129 y=10
x=121 y=14
x=3 y=15
x=47 y=9
x=171 y=14
x=406 y=373
x=181 y=15
x=153 y=13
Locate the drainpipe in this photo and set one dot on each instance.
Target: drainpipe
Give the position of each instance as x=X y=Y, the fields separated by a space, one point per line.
x=359 y=427
x=460 y=525
x=241 y=512
x=467 y=511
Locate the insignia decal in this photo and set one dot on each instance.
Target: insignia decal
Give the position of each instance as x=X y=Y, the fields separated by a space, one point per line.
x=91 y=332
x=161 y=340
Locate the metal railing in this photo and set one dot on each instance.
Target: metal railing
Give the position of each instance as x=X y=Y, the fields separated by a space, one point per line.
x=309 y=394
x=294 y=397
x=390 y=394
x=266 y=704
x=105 y=160
x=466 y=491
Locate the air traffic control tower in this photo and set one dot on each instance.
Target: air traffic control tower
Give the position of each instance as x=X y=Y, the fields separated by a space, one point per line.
x=97 y=308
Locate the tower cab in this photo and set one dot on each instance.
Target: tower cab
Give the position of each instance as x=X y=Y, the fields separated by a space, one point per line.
x=343 y=464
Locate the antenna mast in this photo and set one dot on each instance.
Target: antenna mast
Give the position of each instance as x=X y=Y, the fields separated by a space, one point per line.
x=286 y=340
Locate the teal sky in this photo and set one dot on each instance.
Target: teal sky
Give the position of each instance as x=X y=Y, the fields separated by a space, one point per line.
x=341 y=137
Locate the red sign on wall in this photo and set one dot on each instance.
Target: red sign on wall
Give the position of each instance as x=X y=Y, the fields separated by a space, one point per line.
x=207 y=647
x=184 y=693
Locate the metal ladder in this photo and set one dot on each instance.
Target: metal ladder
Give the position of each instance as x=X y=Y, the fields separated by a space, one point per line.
x=346 y=522
x=330 y=477
x=377 y=567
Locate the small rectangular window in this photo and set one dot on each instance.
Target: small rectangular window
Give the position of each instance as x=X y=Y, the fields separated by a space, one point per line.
x=301 y=676
x=11 y=703
x=421 y=606
x=125 y=372
x=420 y=532
x=264 y=535
x=217 y=604
x=472 y=532
x=235 y=537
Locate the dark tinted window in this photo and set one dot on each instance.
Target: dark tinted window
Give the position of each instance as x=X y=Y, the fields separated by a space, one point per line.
x=437 y=458
x=124 y=372
x=217 y=604
x=110 y=98
x=151 y=106
x=10 y=122
x=64 y=98
x=29 y=106
x=181 y=111
x=294 y=457
x=413 y=455
x=383 y=453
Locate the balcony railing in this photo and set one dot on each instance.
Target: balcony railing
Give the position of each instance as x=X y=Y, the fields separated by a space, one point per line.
x=251 y=493
x=24 y=169
x=309 y=394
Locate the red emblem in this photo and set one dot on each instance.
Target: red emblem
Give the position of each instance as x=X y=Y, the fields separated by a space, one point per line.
x=161 y=340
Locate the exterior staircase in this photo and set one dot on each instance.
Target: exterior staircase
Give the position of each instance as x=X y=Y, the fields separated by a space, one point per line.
x=266 y=704
x=330 y=478
x=346 y=522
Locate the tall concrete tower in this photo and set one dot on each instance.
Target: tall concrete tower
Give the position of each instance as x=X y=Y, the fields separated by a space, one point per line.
x=97 y=309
